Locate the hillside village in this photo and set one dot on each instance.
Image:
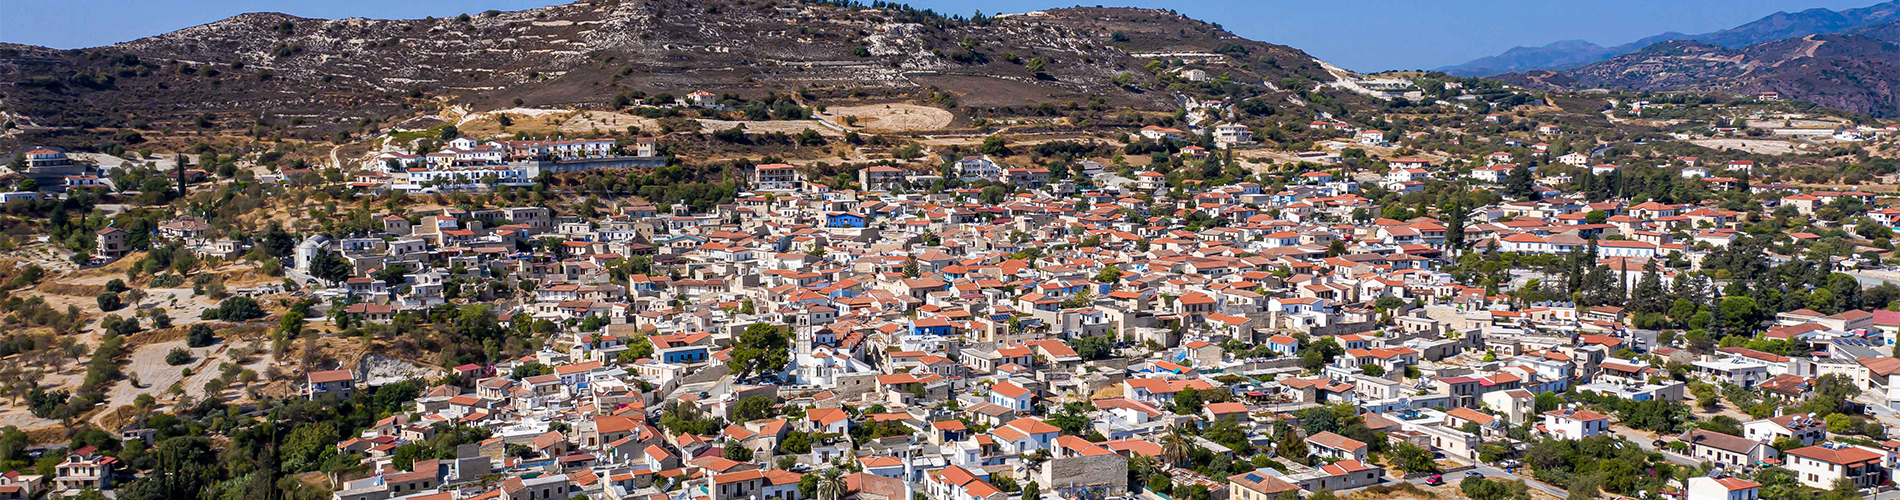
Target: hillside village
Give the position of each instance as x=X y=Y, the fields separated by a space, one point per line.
x=1403 y=285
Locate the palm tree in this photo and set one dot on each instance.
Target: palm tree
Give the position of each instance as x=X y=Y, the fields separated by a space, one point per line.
x=1175 y=446
x=1142 y=465
x=831 y=485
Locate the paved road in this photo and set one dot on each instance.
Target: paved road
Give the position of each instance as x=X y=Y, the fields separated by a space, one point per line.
x=1886 y=416
x=1672 y=456
x=1870 y=279
x=1496 y=474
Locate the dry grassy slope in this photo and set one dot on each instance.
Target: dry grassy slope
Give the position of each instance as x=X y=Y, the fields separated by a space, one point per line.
x=334 y=73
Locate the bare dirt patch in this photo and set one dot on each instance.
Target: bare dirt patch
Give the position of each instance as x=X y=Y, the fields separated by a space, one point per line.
x=769 y=126
x=1757 y=146
x=549 y=123
x=606 y=122
x=894 y=117
x=1795 y=123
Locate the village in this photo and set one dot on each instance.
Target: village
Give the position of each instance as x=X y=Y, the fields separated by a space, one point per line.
x=1376 y=316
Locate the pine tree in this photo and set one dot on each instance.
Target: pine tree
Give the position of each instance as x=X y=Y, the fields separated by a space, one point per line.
x=1519 y=184
x=1650 y=296
x=1574 y=279
x=1622 y=280
x=1455 y=228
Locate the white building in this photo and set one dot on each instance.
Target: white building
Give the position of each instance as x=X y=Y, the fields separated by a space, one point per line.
x=978 y=167
x=1570 y=423
x=1718 y=487
x=1230 y=134
x=1802 y=427
x=1624 y=248
x=776 y=177
x=1821 y=465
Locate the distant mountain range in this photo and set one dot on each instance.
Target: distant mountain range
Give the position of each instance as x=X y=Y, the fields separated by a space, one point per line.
x=1857 y=70
x=1778 y=26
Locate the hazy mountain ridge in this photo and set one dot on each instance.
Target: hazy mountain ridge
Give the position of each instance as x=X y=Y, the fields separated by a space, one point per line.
x=1777 y=26
x=1847 y=71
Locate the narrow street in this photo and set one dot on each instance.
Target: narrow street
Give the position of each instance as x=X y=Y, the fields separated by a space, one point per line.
x=1496 y=474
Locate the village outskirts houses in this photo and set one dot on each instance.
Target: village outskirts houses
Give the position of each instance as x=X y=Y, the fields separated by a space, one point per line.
x=1097 y=324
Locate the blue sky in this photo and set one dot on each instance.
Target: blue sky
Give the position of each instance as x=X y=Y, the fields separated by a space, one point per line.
x=1363 y=35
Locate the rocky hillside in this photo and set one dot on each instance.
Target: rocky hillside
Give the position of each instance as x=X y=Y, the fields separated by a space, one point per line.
x=331 y=75
x=1851 y=72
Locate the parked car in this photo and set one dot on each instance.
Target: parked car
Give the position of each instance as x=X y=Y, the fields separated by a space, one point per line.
x=1435 y=480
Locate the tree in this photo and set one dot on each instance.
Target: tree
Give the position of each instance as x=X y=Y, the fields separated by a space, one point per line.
x=831 y=485
x=1706 y=396
x=995 y=145
x=1091 y=347
x=329 y=266
x=1838 y=423
x=1832 y=394
x=1160 y=483
x=1455 y=228
x=993 y=195
x=237 y=308
x=1318 y=419
x=1319 y=353
x=1650 y=297
x=1035 y=67
x=178 y=356
x=110 y=301
x=1032 y=491
x=737 y=452
x=750 y=408
x=1229 y=434
x=796 y=442
x=1287 y=442
x=1519 y=183
x=1654 y=415
x=1411 y=458
x=1478 y=488
x=200 y=335
x=529 y=369
x=1740 y=315
x=1176 y=445
x=911 y=268
x=1584 y=488
x=1109 y=274
x=1187 y=401
x=762 y=348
